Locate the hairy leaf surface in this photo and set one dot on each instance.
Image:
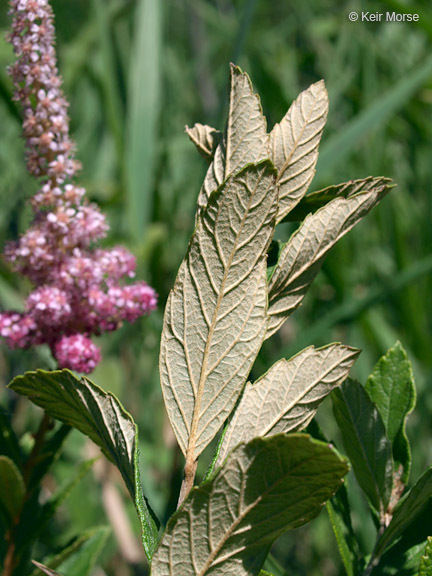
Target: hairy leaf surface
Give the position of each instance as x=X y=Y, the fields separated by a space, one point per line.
x=266 y=487
x=294 y=145
x=205 y=138
x=100 y=416
x=287 y=397
x=365 y=442
x=245 y=138
x=391 y=387
x=215 y=317
x=12 y=488
x=302 y=256
x=312 y=202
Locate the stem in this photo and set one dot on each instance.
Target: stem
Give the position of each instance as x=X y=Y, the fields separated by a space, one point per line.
x=374 y=560
x=39 y=438
x=188 y=480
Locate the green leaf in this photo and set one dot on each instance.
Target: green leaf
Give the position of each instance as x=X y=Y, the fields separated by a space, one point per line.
x=81 y=562
x=407 y=510
x=45 y=569
x=12 y=485
x=266 y=487
x=264 y=573
x=9 y=445
x=287 y=397
x=425 y=568
x=302 y=256
x=245 y=138
x=337 y=148
x=205 y=138
x=338 y=510
x=101 y=417
x=312 y=202
x=82 y=550
x=143 y=112
x=403 y=557
x=391 y=387
x=365 y=442
x=294 y=145
x=215 y=317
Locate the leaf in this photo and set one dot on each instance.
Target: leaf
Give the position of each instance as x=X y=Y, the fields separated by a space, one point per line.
x=221 y=284
x=205 y=138
x=365 y=442
x=12 y=485
x=391 y=387
x=302 y=256
x=81 y=562
x=294 y=145
x=340 y=519
x=83 y=550
x=266 y=487
x=338 y=147
x=287 y=397
x=406 y=511
x=245 y=138
x=45 y=569
x=425 y=568
x=312 y=202
x=144 y=104
x=101 y=417
x=403 y=557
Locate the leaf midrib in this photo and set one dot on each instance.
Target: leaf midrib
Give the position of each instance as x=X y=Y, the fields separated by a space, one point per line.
x=190 y=451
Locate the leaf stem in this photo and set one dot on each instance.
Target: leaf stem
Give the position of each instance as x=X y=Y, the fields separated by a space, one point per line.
x=188 y=480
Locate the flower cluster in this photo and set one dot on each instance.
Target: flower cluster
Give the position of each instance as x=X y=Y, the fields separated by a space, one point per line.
x=78 y=288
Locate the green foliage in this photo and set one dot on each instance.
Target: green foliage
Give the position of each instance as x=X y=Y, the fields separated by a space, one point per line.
x=391 y=388
x=12 y=488
x=365 y=441
x=85 y=406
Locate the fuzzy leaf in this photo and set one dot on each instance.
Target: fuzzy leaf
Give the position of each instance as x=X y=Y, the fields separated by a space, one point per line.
x=266 y=487
x=294 y=145
x=287 y=397
x=101 y=417
x=312 y=202
x=365 y=442
x=205 y=138
x=12 y=488
x=425 y=568
x=245 y=138
x=407 y=510
x=221 y=284
x=302 y=256
x=391 y=387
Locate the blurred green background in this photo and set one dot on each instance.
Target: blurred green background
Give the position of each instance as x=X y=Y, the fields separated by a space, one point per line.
x=135 y=72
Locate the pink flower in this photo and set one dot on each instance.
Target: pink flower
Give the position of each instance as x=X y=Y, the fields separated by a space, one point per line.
x=78 y=287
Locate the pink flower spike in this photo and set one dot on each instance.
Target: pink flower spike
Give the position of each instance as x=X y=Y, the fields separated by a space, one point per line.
x=77 y=352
